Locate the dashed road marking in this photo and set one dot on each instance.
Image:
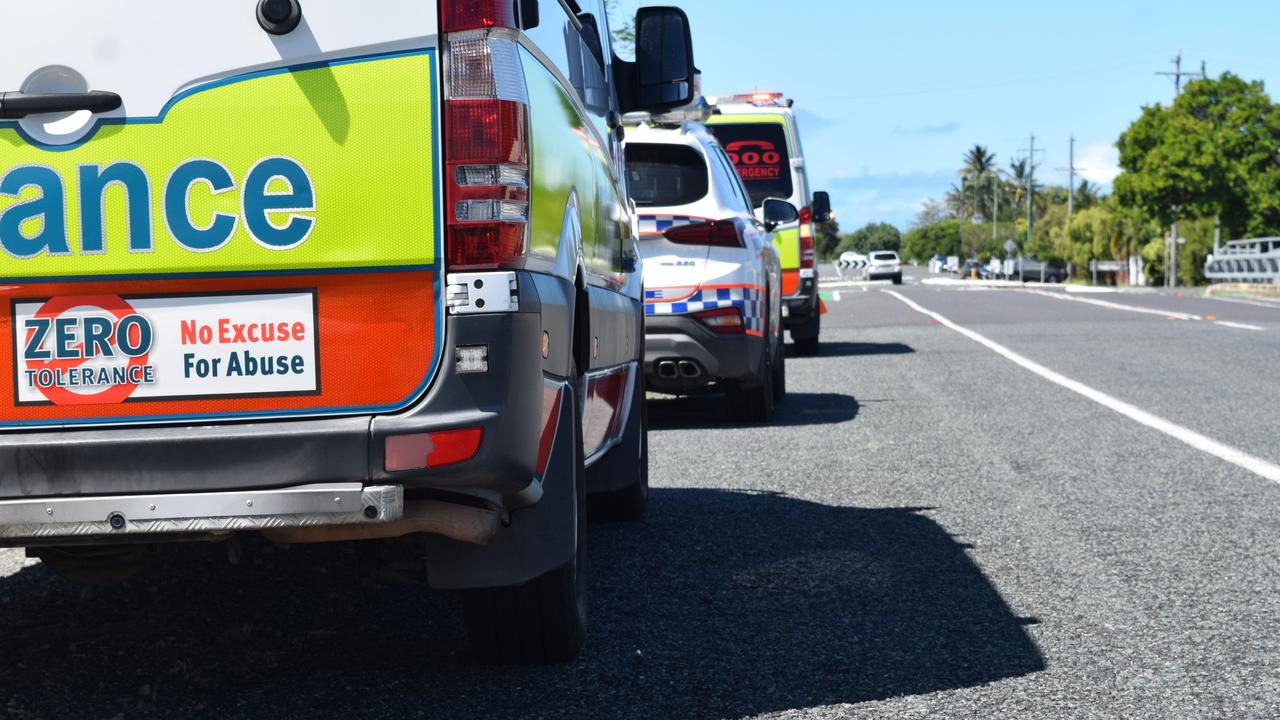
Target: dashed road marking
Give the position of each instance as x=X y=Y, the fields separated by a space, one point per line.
x=1239 y=458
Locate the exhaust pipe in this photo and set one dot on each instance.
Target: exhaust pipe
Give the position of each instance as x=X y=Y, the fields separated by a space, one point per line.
x=667 y=369
x=461 y=522
x=689 y=369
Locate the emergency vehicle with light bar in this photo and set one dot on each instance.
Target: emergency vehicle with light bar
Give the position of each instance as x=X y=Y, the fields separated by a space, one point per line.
x=759 y=133
x=343 y=272
x=712 y=280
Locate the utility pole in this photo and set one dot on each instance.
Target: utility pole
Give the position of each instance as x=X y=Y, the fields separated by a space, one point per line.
x=1171 y=251
x=995 y=203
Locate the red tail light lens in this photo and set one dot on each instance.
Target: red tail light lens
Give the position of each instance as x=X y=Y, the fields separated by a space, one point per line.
x=725 y=320
x=458 y=15
x=807 y=255
x=722 y=233
x=486 y=147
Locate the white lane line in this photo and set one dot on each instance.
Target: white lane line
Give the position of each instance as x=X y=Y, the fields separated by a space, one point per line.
x=1117 y=306
x=1238 y=301
x=1242 y=326
x=1239 y=458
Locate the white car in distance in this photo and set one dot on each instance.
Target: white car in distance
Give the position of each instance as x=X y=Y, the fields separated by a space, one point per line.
x=884 y=265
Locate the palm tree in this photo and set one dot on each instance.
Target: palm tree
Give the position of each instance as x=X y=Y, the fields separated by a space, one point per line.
x=978 y=161
x=1087 y=194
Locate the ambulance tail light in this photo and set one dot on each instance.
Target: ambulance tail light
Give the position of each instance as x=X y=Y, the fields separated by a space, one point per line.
x=459 y=15
x=486 y=139
x=725 y=320
x=807 y=254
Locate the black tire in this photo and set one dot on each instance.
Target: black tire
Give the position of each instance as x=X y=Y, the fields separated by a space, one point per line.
x=779 y=372
x=543 y=620
x=752 y=401
x=897 y=279
x=805 y=337
x=631 y=456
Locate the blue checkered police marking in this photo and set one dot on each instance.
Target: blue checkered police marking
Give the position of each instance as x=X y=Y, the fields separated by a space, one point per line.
x=656 y=224
x=748 y=300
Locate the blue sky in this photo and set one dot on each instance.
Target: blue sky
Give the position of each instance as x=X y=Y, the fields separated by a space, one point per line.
x=891 y=94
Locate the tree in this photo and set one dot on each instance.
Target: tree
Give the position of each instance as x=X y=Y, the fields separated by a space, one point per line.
x=1212 y=152
x=827 y=239
x=870 y=237
x=941 y=238
x=931 y=212
x=978 y=161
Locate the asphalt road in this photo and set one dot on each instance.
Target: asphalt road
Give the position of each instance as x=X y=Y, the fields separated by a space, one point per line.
x=925 y=529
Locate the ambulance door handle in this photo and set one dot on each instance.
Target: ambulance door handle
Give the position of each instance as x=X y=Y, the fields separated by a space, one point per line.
x=15 y=105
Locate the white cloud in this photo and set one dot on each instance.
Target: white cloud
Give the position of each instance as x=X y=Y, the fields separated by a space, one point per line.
x=1099 y=163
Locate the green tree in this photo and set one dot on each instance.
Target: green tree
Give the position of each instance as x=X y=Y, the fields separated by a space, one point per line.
x=941 y=238
x=870 y=237
x=828 y=238
x=1212 y=152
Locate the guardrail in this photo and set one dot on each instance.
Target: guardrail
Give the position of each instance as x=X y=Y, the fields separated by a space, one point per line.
x=1250 y=261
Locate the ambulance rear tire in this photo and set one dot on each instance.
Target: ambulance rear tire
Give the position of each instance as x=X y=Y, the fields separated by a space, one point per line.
x=806 y=336
x=542 y=621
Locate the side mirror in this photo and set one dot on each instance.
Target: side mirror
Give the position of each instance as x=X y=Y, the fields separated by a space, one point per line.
x=662 y=76
x=821 y=206
x=778 y=212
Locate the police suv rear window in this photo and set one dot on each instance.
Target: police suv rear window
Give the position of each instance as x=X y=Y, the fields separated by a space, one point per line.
x=883 y=256
x=759 y=153
x=662 y=175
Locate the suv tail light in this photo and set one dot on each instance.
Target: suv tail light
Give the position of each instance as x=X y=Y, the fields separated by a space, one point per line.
x=722 y=320
x=721 y=233
x=807 y=258
x=486 y=129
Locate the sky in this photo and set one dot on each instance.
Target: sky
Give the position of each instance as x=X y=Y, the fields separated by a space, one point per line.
x=890 y=94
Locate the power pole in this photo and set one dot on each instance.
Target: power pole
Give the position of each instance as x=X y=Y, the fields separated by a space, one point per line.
x=1071 y=169
x=1171 y=251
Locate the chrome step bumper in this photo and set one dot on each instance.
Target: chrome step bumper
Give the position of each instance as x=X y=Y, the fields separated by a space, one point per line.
x=199 y=513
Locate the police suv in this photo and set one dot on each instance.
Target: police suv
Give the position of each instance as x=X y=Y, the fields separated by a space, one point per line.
x=713 y=283
x=759 y=133
x=348 y=271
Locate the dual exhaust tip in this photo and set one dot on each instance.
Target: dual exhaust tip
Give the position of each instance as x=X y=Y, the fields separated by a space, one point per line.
x=672 y=369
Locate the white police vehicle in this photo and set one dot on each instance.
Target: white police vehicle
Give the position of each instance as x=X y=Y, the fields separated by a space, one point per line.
x=713 y=281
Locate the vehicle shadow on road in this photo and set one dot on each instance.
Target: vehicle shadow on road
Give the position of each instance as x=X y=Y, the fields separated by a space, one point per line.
x=724 y=604
x=852 y=349
x=709 y=411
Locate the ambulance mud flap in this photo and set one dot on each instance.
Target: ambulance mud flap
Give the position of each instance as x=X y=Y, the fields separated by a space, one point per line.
x=539 y=538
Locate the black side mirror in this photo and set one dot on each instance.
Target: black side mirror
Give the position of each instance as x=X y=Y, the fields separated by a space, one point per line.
x=821 y=206
x=778 y=212
x=662 y=76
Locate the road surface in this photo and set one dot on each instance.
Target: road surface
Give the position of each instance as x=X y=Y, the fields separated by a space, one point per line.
x=974 y=503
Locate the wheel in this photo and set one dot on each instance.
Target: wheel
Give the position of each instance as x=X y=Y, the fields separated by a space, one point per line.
x=543 y=620
x=779 y=371
x=753 y=401
x=631 y=458
x=806 y=336
x=897 y=279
